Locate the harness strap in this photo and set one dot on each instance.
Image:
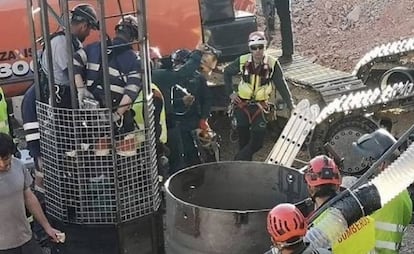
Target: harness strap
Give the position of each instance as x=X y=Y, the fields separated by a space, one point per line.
x=260 y=109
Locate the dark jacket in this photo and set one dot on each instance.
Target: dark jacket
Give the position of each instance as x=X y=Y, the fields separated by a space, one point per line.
x=124 y=71
x=200 y=109
x=30 y=122
x=165 y=79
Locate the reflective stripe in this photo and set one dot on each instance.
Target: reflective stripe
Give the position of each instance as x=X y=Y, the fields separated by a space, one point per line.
x=117 y=89
x=93 y=66
x=389 y=227
x=89 y=82
x=31 y=126
x=3 y=124
x=133 y=88
x=387 y=245
x=114 y=72
x=32 y=137
x=135 y=75
x=77 y=63
x=83 y=56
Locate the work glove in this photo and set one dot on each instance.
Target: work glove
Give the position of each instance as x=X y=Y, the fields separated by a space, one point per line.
x=117 y=117
x=188 y=100
x=203 y=124
x=82 y=94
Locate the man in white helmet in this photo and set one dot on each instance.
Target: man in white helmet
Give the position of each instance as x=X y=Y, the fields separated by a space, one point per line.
x=260 y=74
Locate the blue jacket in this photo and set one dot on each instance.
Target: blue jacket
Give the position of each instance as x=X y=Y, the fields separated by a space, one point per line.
x=30 y=122
x=124 y=71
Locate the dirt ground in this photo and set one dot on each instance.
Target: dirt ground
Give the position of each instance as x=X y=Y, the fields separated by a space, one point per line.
x=336 y=34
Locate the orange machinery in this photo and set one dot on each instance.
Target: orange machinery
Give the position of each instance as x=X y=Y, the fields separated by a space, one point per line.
x=171 y=25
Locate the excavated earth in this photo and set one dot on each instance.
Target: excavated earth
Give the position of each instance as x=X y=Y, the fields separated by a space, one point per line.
x=336 y=34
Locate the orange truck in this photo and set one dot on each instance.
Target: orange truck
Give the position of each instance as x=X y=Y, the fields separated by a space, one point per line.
x=225 y=24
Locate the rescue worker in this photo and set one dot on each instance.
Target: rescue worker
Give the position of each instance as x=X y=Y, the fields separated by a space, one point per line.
x=391 y=220
x=165 y=79
x=283 y=9
x=32 y=133
x=287 y=227
x=323 y=179
x=125 y=80
x=83 y=20
x=192 y=101
x=160 y=123
x=259 y=73
x=16 y=235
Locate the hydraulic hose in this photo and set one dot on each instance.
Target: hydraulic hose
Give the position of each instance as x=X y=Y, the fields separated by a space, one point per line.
x=364 y=178
x=363 y=201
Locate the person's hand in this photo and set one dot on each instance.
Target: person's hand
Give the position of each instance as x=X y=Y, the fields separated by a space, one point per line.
x=201 y=47
x=188 y=100
x=81 y=95
x=116 y=116
x=234 y=97
x=52 y=233
x=203 y=124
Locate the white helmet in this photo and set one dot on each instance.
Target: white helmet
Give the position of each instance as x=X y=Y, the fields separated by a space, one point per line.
x=128 y=24
x=257 y=38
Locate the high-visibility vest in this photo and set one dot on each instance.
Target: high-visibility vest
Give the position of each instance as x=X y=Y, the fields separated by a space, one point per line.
x=4 y=116
x=253 y=86
x=391 y=222
x=139 y=114
x=358 y=238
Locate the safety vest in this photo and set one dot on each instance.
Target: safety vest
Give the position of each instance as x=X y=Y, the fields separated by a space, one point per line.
x=139 y=115
x=4 y=116
x=391 y=222
x=358 y=238
x=253 y=85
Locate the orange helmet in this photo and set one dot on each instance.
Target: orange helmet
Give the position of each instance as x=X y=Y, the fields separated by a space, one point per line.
x=322 y=170
x=257 y=38
x=285 y=222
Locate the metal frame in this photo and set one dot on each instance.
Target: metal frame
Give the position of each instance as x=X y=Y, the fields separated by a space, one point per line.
x=126 y=187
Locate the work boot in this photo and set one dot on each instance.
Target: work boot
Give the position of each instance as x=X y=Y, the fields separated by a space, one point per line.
x=127 y=146
x=102 y=146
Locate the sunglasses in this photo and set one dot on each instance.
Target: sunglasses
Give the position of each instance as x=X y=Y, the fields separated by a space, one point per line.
x=258 y=47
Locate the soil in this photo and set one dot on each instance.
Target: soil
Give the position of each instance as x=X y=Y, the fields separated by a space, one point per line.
x=336 y=34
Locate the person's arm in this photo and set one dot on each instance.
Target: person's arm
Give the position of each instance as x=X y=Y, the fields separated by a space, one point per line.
x=231 y=70
x=60 y=55
x=80 y=59
x=33 y=205
x=133 y=85
x=281 y=85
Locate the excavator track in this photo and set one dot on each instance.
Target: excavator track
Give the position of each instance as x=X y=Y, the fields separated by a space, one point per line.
x=385 y=57
x=328 y=82
x=351 y=105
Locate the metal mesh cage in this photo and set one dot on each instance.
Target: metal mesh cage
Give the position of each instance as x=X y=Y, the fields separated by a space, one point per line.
x=87 y=178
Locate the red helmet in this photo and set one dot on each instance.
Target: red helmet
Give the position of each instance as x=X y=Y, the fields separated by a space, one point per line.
x=285 y=222
x=322 y=170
